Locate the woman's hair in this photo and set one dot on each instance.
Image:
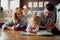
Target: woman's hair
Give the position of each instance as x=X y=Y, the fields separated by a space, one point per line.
x=17 y=10
x=35 y=20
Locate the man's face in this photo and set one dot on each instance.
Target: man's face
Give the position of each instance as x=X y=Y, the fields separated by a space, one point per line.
x=47 y=13
x=26 y=10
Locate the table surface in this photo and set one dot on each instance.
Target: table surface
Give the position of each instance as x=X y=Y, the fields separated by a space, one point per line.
x=16 y=35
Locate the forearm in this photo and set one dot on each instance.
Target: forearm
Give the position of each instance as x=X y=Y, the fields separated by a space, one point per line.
x=42 y=27
x=50 y=25
x=29 y=31
x=9 y=28
x=5 y=25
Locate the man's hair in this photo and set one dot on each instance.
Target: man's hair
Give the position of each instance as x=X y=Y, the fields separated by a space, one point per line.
x=50 y=7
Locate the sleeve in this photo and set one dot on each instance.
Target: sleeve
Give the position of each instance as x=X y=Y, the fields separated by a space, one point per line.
x=7 y=23
x=23 y=23
x=53 y=18
x=28 y=28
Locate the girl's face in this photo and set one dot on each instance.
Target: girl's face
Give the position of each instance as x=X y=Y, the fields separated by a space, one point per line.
x=34 y=23
x=19 y=15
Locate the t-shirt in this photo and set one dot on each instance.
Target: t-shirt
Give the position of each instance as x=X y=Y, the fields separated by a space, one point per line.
x=10 y=23
x=44 y=19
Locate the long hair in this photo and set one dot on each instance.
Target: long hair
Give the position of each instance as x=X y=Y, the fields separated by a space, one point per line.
x=17 y=10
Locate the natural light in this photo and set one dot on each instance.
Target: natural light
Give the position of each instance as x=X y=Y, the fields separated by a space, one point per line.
x=10 y=4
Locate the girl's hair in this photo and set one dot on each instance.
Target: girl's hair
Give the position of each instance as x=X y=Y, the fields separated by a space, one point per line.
x=17 y=10
x=35 y=20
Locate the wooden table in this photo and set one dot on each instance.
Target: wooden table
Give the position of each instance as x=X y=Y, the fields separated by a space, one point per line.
x=16 y=35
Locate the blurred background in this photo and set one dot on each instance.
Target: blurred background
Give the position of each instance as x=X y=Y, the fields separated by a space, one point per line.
x=7 y=7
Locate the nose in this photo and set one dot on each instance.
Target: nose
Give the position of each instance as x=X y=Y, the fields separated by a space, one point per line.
x=47 y=14
x=20 y=15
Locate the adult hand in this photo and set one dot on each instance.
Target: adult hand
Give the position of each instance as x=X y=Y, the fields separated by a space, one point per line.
x=15 y=27
x=50 y=25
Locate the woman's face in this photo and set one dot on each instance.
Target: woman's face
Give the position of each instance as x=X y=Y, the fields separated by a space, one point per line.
x=19 y=15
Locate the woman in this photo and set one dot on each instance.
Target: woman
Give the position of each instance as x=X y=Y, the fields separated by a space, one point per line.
x=16 y=21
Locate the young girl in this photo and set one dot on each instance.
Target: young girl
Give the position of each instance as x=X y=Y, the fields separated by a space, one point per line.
x=15 y=21
x=33 y=25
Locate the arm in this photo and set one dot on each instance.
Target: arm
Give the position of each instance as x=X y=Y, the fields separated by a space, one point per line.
x=50 y=25
x=7 y=24
x=40 y=26
x=31 y=30
x=36 y=30
x=9 y=28
x=14 y=27
x=23 y=22
x=28 y=29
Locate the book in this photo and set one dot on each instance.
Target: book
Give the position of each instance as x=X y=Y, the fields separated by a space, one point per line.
x=42 y=32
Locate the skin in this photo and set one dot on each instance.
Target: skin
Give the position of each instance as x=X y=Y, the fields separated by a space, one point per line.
x=33 y=26
x=47 y=13
x=25 y=10
x=14 y=27
x=49 y=25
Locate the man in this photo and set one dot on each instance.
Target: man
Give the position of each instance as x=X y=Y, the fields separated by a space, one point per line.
x=27 y=13
x=48 y=19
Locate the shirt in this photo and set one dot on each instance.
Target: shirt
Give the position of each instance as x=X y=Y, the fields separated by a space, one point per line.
x=44 y=19
x=10 y=23
x=27 y=16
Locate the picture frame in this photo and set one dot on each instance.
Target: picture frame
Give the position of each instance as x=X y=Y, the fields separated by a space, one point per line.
x=40 y=4
x=35 y=4
x=29 y=4
x=46 y=2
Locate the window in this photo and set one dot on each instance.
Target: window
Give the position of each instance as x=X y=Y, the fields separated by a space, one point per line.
x=14 y=4
x=4 y=4
x=8 y=9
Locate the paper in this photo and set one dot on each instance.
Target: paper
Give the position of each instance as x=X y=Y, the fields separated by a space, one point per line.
x=42 y=32
x=28 y=34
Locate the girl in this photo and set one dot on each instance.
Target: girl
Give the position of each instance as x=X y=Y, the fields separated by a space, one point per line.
x=15 y=21
x=33 y=26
